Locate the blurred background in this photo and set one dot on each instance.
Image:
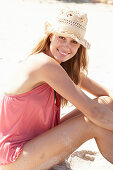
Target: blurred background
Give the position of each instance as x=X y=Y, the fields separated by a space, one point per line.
x=21 y=24
x=77 y=1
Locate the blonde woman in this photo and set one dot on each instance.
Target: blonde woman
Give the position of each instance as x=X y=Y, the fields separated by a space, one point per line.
x=32 y=135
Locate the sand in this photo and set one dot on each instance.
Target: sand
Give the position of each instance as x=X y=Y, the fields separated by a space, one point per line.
x=20 y=24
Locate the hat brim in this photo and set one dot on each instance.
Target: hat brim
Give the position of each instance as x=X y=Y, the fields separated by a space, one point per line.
x=81 y=41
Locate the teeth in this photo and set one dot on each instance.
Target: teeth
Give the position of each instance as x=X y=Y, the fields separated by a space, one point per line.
x=63 y=52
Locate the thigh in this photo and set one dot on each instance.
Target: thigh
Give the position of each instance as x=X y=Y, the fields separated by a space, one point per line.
x=53 y=146
x=56 y=144
x=74 y=113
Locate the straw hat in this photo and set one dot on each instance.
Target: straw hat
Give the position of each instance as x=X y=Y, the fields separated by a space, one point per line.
x=69 y=23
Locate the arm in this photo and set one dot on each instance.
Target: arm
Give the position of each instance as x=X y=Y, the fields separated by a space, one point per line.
x=92 y=87
x=52 y=73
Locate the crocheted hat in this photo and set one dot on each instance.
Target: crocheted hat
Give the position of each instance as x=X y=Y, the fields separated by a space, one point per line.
x=69 y=23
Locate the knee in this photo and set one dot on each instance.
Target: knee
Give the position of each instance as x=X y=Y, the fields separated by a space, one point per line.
x=105 y=100
x=91 y=127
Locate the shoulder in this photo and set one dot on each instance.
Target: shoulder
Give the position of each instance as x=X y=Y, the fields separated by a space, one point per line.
x=41 y=65
x=39 y=60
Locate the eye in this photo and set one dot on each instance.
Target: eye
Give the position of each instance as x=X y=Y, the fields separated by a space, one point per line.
x=74 y=42
x=61 y=37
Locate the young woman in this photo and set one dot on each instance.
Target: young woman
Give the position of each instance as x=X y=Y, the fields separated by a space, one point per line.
x=29 y=109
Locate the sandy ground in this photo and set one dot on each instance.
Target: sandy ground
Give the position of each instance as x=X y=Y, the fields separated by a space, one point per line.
x=20 y=25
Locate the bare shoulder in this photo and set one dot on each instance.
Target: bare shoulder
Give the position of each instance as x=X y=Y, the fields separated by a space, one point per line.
x=41 y=62
x=40 y=66
x=30 y=74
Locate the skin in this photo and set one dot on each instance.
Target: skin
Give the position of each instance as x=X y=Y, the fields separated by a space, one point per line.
x=94 y=119
x=62 y=48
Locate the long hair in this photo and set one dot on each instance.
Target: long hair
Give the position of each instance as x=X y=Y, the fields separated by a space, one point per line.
x=74 y=66
x=42 y=44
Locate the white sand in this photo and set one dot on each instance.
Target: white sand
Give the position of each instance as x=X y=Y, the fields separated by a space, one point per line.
x=20 y=23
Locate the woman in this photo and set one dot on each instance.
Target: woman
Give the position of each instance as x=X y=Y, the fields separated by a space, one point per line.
x=30 y=107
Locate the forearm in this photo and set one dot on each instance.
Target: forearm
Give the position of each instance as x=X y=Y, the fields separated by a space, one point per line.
x=93 y=87
x=97 y=113
x=100 y=115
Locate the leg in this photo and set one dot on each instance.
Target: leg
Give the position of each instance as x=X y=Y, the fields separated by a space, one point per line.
x=103 y=137
x=73 y=113
x=53 y=146
x=104 y=140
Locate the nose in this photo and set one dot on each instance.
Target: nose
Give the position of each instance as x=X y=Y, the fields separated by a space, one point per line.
x=67 y=45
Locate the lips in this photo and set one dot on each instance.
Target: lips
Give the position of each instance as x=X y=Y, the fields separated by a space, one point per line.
x=63 y=53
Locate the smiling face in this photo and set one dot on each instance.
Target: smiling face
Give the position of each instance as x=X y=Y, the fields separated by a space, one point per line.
x=62 y=48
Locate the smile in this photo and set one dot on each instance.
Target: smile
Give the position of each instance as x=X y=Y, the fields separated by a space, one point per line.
x=63 y=53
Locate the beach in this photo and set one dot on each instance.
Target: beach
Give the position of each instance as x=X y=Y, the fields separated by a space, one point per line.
x=21 y=22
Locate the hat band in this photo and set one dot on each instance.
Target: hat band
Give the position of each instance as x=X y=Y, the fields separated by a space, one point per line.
x=69 y=29
x=72 y=23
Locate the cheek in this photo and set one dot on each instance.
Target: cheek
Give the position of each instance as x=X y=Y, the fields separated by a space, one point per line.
x=53 y=47
x=54 y=44
x=75 y=50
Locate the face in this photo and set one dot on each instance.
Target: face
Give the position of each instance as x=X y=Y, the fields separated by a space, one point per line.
x=62 y=48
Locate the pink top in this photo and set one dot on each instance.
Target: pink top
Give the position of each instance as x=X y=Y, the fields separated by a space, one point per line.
x=25 y=116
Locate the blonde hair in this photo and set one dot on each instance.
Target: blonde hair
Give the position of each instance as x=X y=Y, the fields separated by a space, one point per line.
x=73 y=66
